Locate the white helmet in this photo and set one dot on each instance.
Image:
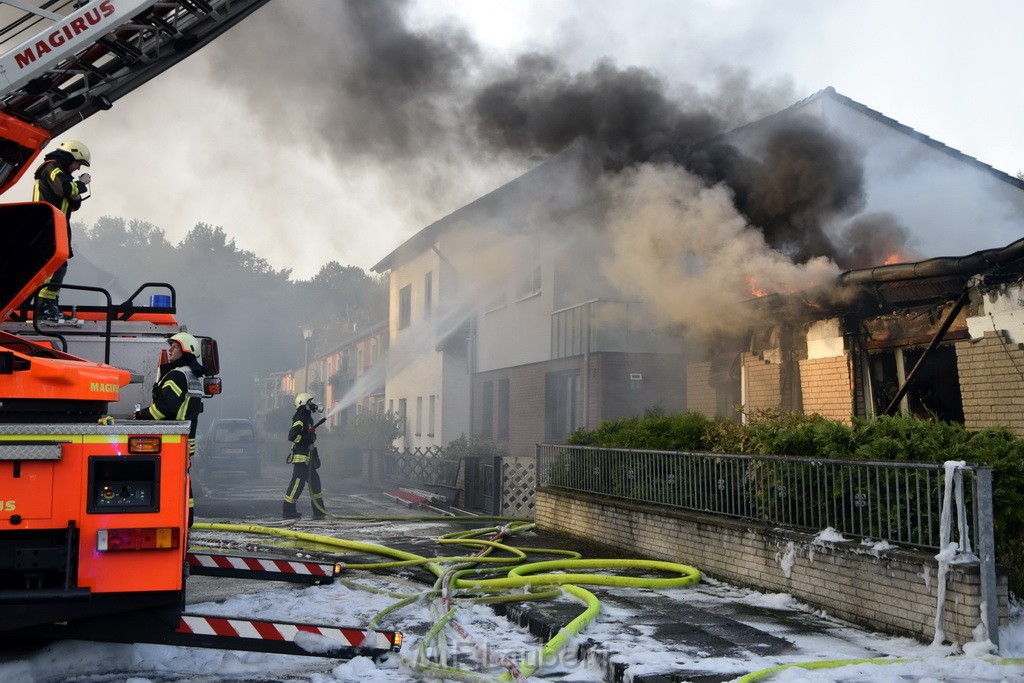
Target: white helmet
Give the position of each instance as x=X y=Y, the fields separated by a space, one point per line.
x=187 y=342
x=77 y=150
x=302 y=399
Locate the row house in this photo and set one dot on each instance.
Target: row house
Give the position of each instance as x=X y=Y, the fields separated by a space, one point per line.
x=503 y=326
x=491 y=339
x=346 y=377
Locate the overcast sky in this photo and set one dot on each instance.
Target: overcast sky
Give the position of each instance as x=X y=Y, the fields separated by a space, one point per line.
x=310 y=133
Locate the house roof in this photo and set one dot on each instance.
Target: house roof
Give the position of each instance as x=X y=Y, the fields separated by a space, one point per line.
x=936 y=279
x=509 y=201
x=547 y=177
x=358 y=336
x=902 y=286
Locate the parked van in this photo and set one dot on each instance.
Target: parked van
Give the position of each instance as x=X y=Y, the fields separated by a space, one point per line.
x=228 y=450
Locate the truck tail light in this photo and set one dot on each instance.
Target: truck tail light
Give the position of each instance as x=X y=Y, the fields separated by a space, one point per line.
x=108 y=540
x=144 y=444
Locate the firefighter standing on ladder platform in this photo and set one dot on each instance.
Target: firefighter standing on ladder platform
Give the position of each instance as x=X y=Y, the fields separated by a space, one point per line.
x=304 y=460
x=178 y=394
x=55 y=186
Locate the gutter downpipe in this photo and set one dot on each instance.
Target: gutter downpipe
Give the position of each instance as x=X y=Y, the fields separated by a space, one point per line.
x=586 y=368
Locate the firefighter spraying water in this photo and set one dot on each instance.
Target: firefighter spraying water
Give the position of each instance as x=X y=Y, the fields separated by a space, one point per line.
x=304 y=459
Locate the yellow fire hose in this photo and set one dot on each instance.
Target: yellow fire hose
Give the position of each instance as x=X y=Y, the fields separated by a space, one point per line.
x=463 y=578
x=522 y=576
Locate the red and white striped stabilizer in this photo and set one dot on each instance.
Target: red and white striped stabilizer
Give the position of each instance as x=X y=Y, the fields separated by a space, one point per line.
x=264 y=566
x=314 y=638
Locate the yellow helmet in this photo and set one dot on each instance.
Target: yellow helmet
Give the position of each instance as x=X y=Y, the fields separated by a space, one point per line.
x=187 y=342
x=77 y=150
x=302 y=399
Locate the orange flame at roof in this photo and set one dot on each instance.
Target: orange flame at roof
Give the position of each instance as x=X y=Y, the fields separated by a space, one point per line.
x=752 y=286
x=892 y=258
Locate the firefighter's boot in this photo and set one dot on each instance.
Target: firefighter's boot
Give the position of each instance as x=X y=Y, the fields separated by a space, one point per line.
x=319 y=511
x=289 y=512
x=49 y=311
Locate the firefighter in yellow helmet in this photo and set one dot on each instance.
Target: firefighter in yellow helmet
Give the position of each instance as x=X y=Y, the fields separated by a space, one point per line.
x=55 y=185
x=178 y=394
x=304 y=460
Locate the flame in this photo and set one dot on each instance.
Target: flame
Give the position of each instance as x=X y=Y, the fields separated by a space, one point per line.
x=892 y=258
x=754 y=290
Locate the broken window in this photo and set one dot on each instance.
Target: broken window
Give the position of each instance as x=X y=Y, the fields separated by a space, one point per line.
x=934 y=390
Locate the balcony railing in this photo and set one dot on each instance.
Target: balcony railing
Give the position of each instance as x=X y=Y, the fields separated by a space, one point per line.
x=607 y=326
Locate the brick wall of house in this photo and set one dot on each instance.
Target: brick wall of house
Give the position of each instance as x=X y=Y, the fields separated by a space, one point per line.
x=615 y=395
x=700 y=395
x=765 y=387
x=827 y=387
x=843 y=579
x=991 y=382
x=527 y=392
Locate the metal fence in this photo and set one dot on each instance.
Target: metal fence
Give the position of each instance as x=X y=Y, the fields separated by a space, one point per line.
x=919 y=505
x=416 y=467
x=898 y=502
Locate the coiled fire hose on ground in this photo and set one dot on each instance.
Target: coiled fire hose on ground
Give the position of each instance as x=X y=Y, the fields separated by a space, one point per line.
x=467 y=576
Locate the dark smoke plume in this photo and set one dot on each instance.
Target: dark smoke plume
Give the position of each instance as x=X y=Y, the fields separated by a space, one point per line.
x=354 y=72
x=427 y=104
x=795 y=181
x=541 y=108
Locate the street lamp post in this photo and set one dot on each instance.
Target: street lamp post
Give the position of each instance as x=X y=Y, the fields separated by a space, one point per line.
x=307 y=332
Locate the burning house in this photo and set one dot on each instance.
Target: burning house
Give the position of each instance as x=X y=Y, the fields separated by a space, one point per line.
x=796 y=262
x=935 y=338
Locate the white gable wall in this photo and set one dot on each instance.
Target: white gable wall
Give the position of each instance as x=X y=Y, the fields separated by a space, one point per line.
x=417 y=370
x=518 y=331
x=949 y=205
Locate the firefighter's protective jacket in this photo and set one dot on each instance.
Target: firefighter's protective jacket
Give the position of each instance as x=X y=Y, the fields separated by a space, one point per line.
x=177 y=396
x=301 y=435
x=55 y=186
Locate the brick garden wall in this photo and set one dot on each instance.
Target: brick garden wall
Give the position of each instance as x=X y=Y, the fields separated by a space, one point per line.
x=890 y=591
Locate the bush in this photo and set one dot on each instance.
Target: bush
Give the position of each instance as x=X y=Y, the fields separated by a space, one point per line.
x=786 y=433
x=368 y=430
x=653 y=431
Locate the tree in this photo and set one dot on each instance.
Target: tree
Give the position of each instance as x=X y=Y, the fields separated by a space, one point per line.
x=235 y=296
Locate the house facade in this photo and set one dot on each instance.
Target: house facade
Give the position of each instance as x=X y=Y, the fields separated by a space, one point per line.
x=505 y=326
x=427 y=373
x=515 y=347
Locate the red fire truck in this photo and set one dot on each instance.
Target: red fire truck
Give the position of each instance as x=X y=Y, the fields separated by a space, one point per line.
x=93 y=508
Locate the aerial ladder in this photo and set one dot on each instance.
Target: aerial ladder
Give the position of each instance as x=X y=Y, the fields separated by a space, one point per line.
x=93 y=509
